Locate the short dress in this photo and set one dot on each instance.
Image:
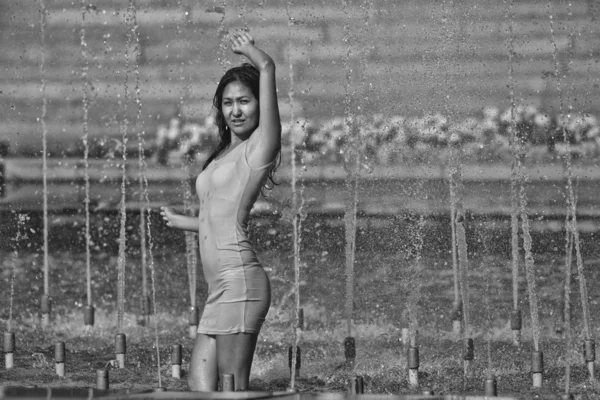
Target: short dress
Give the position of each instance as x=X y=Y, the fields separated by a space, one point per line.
x=239 y=292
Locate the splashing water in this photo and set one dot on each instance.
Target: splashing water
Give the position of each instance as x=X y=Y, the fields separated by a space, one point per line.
x=518 y=181
x=86 y=84
x=416 y=279
x=43 y=15
x=142 y=181
x=567 y=298
x=529 y=267
x=224 y=62
x=514 y=181
x=21 y=225
x=463 y=261
x=191 y=240
x=571 y=200
x=123 y=207
x=351 y=178
x=455 y=179
x=296 y=221
x=487 y=302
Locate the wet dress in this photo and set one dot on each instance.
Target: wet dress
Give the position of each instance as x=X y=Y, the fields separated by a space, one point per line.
x=239 y=292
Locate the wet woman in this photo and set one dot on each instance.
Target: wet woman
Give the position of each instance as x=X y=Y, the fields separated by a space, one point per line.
x=239 y=293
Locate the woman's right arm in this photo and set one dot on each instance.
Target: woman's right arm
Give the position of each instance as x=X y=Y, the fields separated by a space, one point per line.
x=179 y=221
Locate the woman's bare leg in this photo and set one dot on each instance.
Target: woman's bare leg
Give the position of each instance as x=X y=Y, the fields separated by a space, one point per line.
x=235 y=353
x=203 y=374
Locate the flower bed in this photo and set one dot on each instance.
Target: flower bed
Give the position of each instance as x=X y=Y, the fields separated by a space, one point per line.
x=380 y=140
x=387 y=141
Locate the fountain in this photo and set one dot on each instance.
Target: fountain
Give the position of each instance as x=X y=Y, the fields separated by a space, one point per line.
x=89 y=310
x=571 y=224
x=294 y=350
x=46 y=300
x=407 y=202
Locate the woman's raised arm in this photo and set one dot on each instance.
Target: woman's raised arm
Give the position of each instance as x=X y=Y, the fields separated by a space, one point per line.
x=265 y=142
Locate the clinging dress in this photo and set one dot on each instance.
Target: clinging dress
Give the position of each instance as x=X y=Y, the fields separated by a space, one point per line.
x=239 y=292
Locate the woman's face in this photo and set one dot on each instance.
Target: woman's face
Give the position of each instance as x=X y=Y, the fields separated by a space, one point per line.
x=240 y=109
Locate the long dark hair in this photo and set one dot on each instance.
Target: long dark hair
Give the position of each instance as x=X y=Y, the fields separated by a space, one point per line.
x=248 y=75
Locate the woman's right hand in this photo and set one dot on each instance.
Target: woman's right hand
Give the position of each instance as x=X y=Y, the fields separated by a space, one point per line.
x=240 y=41
x=168 y=215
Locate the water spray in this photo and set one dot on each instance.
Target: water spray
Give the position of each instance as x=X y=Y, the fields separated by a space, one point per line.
x=537 y=361
x=298 y=216
x=567 y=299
x=46 y=309
x=146 y=201
x=404 y=330
x=124 y=126
x=222 y=32
x=88 y=317
x=413 y=358
x=515 y=316
x=142 y=177
x=589 y=356
x=518 y=180
x=455 y=175
x=9 y=335
x=191 y=238
x=455 y=178
x=490 y=381
x=351 y=204
x=461 y=239
x=294 y=366
x=45 y=304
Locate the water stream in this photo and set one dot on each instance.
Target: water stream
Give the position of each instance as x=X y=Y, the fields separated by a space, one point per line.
x=518 y=184
x=297 y=202
x=514 y=176
x=42 y=69
x=463 y=261
x=567 y=299
x=191 y=238
x=22 y=220
x=86 y=84
x=145 y=229
x=351 y=165
x=529 y=267
x=142 y=177
x=124 y=126
x=223 y=59
x=571 y=200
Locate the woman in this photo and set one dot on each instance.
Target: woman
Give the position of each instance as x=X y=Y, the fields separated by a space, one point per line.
x=239 y=293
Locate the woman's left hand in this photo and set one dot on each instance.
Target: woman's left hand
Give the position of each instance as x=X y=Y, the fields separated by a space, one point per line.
x=240 y=40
